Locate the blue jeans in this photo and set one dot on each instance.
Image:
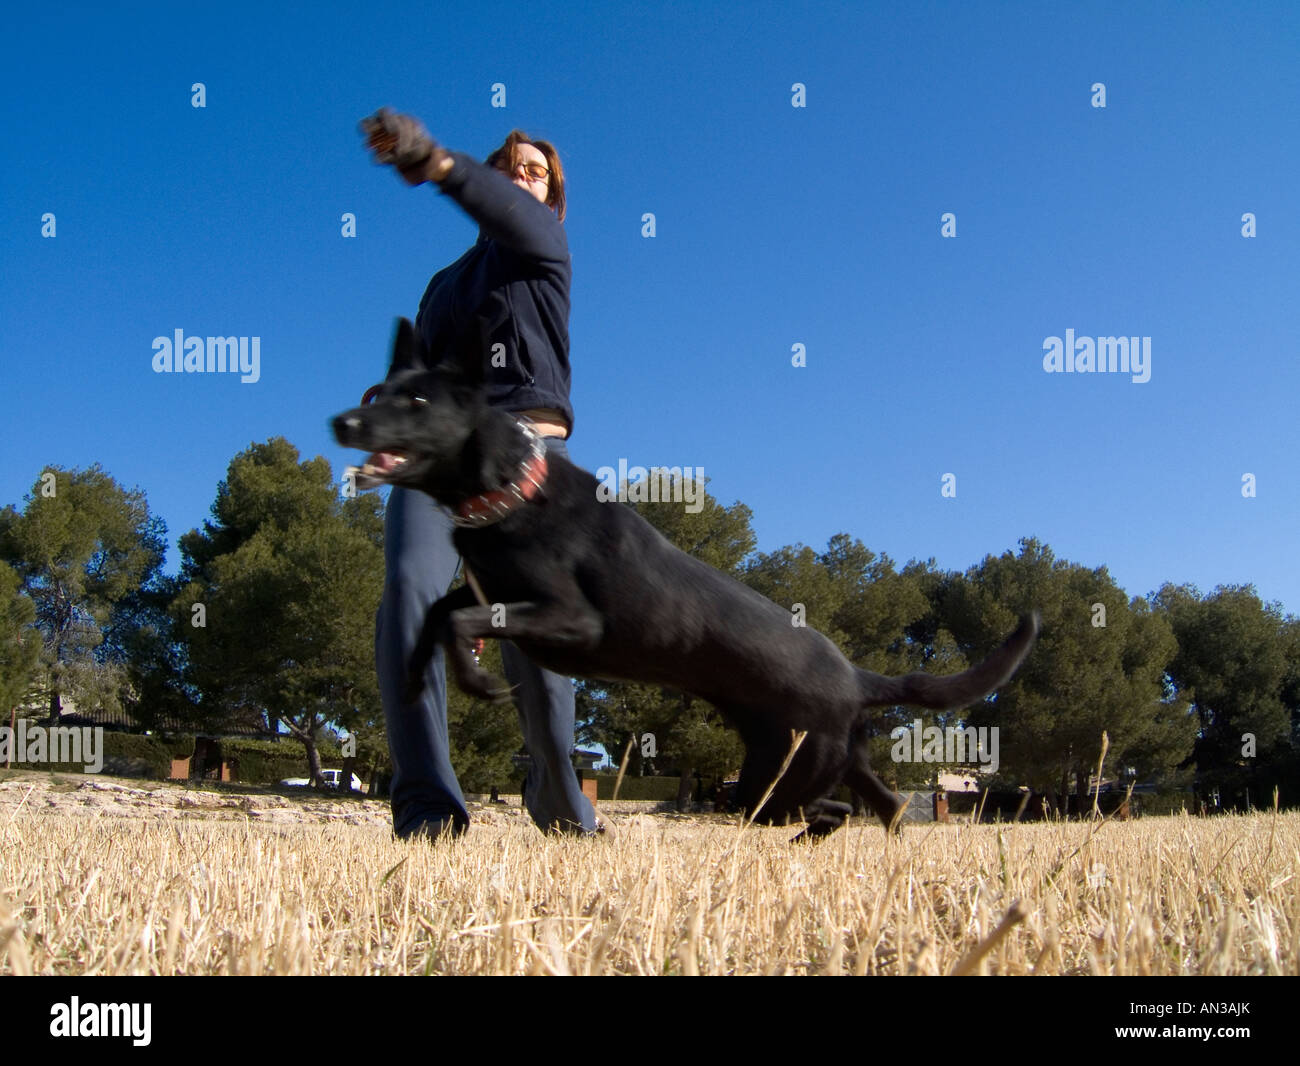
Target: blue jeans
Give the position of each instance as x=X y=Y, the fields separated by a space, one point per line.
x=420 y=564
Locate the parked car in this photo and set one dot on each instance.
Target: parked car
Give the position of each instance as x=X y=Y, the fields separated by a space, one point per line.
x=332 y=778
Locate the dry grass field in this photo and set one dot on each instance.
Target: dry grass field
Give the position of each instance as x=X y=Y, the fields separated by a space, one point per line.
x=156 y=879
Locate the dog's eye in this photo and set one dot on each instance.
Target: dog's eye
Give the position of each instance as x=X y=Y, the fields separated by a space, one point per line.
x=418 y=399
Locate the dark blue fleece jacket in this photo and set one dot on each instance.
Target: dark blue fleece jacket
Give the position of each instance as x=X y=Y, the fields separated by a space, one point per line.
x=505 y=302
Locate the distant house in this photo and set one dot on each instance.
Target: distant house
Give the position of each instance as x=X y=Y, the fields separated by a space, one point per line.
x=250 y=727
x=582 y=760
x=207 y=760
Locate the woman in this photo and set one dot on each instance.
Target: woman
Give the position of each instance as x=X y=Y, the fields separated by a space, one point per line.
x=506 y=302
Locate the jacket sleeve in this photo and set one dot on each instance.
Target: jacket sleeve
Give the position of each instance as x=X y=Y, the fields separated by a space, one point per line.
x=504 y=211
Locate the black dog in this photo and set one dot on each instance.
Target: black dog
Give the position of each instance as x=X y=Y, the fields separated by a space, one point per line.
x=590 y=589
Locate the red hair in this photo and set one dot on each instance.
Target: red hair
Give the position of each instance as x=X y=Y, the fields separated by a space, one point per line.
x=505 y=159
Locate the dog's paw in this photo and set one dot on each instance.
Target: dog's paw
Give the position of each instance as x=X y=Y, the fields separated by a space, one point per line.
x=486 y=687
x=816 y=831
x=498 y=691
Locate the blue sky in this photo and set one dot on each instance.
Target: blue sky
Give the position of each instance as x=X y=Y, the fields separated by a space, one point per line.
x=775 y=226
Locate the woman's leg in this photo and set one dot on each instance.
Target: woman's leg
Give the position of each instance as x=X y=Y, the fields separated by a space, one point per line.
x=420 y=562
x=546 y=715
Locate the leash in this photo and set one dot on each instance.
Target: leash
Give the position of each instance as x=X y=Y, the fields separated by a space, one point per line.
x=472 y=581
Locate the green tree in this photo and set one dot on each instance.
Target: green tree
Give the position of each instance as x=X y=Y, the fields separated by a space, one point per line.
x=142 y=637
x=20 y=644
x=278 y=598
x=81 y=547
x=1287 y=763
x=1099 y=664
x=1236 y=666
x=612 y=713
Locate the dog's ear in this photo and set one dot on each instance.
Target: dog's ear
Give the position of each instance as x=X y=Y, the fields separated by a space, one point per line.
x=408 y=348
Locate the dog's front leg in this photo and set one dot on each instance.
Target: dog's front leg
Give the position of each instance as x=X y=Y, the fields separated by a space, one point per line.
x=436 y=630
x=561 y=624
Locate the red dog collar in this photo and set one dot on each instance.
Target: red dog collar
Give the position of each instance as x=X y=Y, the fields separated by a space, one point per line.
x=490 y=507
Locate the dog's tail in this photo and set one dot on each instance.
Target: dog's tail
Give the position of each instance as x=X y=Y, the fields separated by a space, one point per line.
x=953 y=690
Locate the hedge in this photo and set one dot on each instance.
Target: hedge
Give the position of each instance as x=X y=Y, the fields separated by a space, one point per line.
x=261 y=762
x=125 y=754
x=637 y=788
x=1174 y=801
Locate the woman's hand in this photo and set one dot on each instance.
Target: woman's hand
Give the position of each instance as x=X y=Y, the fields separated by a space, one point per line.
x=401 y=141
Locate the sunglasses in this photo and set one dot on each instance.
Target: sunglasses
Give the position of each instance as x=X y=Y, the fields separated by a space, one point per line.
x=533 y=171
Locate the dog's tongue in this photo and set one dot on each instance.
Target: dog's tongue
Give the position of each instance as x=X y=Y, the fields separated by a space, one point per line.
x=383 y=461
x=374 y=472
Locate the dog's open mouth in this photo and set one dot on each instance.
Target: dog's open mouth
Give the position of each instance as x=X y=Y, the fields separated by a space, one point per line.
x=378 y=469
x=381 y=464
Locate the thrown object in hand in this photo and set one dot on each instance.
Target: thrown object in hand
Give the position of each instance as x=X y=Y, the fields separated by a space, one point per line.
x=397 y=140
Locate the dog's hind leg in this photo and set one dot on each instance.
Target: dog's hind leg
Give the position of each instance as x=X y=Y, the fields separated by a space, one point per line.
x=887 y=804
